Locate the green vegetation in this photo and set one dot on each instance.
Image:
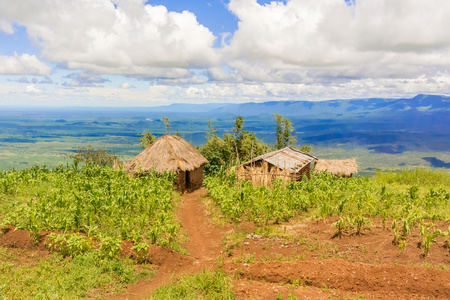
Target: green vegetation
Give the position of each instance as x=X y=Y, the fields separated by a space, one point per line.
x=206 y=285
x=95 y=207
x=284 y=132
x=98 y=201
x=147 y=139
x=86 y=275
x=325 y=195
x=236 y=145
x=91 y=156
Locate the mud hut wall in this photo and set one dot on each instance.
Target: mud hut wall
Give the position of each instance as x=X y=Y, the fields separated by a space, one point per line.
x=180 y=182
x=195 y=179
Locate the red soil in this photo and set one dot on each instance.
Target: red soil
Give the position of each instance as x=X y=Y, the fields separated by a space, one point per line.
x=304 y=260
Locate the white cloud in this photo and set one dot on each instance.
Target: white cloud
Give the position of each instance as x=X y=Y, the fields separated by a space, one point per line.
x=133 y=39
x=6 y=27
x=193 y=79
x=24 y=64
x=285 y=50
x=331 y=39
x=32 y=89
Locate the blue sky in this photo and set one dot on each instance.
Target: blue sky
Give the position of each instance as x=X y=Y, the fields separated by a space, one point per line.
x=134 y=53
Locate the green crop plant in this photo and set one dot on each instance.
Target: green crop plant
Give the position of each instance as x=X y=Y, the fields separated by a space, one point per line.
x=341 y=225
x=141 y=251
x=409 y=222
x=428 y=235
x=69 y=244
x=361 y=223
x=387 y=195
x=111 y=246
x=98 y=201
x=402 y=244
x=397 y=237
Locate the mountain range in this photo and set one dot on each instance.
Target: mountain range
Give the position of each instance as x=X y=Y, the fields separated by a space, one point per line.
x=326 y=109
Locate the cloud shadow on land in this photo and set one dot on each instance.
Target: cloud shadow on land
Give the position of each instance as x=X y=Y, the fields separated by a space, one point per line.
x=437 y=163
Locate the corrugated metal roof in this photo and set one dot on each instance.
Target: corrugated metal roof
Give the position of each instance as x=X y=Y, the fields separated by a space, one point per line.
x=286 y=158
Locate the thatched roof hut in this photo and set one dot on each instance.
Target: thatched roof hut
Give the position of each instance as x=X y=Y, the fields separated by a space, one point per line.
x=338 y=167
x=287 y=164
x=171 y=153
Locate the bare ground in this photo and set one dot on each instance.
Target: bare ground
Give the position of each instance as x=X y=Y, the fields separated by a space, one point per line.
x=302 y=259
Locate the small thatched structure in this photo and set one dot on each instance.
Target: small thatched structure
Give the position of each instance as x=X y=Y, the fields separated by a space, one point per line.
x=171 y=153
x=286 y=163
x=338 y=167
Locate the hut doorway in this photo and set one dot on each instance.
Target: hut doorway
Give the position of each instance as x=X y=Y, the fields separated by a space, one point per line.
x=187 y=179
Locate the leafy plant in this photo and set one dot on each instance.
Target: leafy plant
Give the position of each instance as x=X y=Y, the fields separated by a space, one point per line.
x=206 y=285
x=89 y=156
x=69 y=244
x=341 y=225
x=397 y=237
x=361 y=222
x=111 y=246
x=428 y=235
x=147 y=139
x=141 y=251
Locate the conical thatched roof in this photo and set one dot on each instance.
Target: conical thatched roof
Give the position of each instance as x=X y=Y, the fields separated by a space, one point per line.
x=338 y=167
x=168 y=153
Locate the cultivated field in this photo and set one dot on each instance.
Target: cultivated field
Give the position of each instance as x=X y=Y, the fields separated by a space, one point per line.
x=94 y=232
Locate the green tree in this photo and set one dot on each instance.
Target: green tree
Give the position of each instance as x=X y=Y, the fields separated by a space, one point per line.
x=147 y=139
x=215 y=150
x=243 y=143
x=251 y=146
x=91 y=156
x=306 y=148
x=166 y=125
x=284 y=132
x=236 y=145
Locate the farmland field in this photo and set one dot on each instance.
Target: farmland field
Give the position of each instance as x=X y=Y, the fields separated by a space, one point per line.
x=380 y=237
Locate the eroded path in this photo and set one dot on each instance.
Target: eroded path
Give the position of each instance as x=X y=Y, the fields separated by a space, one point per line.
x=204 y=245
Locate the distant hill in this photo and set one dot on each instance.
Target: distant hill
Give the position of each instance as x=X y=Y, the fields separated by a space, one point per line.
x=330 y=108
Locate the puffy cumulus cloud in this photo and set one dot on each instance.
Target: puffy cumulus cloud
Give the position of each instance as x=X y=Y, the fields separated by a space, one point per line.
x=24 y=64
x=113 y=37
x=32 y=89
x=303 y=39
x=125 y=85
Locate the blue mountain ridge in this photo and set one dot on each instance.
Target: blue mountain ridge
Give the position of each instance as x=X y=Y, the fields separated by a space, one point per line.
x=421 y=102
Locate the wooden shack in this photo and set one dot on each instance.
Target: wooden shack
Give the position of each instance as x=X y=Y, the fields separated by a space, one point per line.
x=287 y=164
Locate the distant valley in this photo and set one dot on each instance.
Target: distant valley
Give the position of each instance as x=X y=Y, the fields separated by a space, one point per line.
x=404 y=132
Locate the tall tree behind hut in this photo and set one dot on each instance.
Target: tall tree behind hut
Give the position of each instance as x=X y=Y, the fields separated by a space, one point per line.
x=285 y=134
x=147 y=139
x=236 y=145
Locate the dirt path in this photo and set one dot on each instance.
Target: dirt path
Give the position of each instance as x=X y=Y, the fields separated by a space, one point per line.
x=305 y=262
x=204 y=245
